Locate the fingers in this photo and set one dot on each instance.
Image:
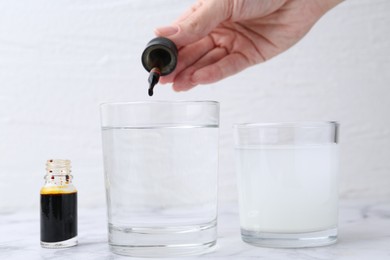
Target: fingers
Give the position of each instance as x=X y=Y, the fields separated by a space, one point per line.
x=184 y=81
x=226 y=67
x=196 y=23
x=211 y=69
x=188 y=55
x=188 y=12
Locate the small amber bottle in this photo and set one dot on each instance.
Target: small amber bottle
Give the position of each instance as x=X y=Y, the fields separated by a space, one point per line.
x=58 y=206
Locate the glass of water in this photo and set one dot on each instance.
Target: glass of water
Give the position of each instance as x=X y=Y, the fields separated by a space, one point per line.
x=161 y=165
x=288 y=183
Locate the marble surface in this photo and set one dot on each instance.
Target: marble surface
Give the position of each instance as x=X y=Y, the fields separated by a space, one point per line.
x=364 y=233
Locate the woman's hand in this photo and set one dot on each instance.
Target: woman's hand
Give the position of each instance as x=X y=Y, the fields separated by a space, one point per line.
x=219 y=38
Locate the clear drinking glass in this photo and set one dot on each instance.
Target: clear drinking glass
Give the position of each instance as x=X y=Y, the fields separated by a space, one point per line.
x=161 y=165
x=288 y=183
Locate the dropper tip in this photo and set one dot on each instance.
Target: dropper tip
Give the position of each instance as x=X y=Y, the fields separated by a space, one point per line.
x=154 y=76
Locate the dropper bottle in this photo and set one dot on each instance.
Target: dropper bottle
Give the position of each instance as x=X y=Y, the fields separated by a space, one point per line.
x=58 y=206
x=159 y=58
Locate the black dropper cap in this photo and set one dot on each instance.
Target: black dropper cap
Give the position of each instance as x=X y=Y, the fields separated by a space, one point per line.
x=159 y=58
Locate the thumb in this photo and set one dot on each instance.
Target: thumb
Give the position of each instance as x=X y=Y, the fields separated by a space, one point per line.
x=197 y=22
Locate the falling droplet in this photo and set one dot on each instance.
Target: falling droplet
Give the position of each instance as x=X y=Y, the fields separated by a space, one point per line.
x=153 y=79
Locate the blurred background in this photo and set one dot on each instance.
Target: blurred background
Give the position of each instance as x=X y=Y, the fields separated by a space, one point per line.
x=60 y=59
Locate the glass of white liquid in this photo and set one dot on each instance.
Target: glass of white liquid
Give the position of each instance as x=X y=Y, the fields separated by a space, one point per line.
x=288 y=183
x=161 y=164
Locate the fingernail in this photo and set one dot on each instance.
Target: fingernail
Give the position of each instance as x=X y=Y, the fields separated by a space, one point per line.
x=176 y=88
x=166 y=31
x=196 y=78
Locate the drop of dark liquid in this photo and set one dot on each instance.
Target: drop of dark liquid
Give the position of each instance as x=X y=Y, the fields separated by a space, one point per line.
x=153 y=79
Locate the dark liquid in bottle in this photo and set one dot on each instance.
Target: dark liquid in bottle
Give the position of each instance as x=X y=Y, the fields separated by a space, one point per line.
x=58 y=217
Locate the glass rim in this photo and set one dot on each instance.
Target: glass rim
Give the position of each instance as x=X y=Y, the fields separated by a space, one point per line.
x=287 y=124
x=173 y=102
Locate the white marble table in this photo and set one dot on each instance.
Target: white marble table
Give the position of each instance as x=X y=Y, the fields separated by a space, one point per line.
x=364 y=233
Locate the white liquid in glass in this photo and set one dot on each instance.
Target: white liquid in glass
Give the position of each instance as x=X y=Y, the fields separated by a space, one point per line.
x=288 y=189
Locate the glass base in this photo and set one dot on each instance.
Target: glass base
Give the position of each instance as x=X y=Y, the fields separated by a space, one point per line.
x=290 y=240
x=163 y=241
x=60 y=244
x=163 y=251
